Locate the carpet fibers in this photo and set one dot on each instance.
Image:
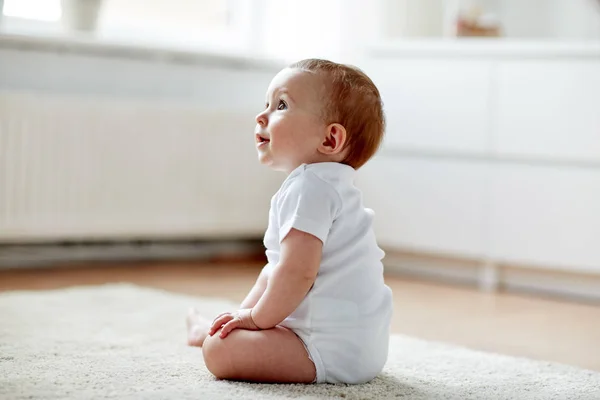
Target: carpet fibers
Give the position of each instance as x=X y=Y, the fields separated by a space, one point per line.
x=124 y=341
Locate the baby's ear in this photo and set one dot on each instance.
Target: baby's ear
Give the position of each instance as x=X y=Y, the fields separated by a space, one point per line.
x=334 y=141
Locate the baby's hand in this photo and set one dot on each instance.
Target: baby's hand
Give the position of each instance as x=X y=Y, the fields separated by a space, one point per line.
x=240 y=319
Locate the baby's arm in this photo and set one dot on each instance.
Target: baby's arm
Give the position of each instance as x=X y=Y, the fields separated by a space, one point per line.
x=290 y=280
x=285 y=289
x=256 y=292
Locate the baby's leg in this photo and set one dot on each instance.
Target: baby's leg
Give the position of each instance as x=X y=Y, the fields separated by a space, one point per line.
x=197 y=328
x=273 y=355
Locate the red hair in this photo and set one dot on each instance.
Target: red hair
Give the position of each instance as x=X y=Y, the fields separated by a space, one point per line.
x=354 y=102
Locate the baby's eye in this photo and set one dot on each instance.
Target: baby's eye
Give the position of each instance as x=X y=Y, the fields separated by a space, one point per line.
x=282 y=105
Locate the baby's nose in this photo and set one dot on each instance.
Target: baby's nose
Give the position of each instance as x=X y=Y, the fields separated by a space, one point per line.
x=261 y=119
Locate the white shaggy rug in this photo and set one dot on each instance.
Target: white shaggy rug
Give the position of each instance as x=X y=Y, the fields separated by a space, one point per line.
x=123 y=341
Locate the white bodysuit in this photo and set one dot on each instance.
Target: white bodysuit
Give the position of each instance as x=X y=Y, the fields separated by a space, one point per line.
x=344 y=320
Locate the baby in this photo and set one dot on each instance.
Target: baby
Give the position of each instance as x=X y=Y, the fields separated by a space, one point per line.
x=319 y=310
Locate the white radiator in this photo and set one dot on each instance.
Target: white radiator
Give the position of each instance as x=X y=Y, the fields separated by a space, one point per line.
x=75 y=167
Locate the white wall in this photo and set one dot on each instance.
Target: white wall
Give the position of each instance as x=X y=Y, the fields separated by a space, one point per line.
x=334 y=29
x=530 y=19
x=554 y=19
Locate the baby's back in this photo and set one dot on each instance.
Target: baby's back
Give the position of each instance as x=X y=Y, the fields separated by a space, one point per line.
x=349 y=289
x=351 y=272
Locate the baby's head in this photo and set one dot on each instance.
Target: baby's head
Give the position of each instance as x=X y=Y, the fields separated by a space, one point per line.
x=319 y=111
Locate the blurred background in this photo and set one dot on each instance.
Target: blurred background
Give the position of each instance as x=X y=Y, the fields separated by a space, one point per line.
x=126 y=152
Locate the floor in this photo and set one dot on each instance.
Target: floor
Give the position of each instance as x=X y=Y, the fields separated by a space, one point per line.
x=503 y=323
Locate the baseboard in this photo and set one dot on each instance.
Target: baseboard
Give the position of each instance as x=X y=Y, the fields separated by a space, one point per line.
x=430 y=266
x=445 y=269
x=572 y=285
x=58 y=254
x=510 y=278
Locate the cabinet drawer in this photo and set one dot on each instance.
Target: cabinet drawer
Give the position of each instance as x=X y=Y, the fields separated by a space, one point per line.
x=428 y=205
x=546 y=216
x=549 y=109
x=435 y=105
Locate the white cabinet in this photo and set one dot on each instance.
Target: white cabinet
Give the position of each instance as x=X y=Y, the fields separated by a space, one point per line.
x=435 y=105
x=426 y=205
x=549 y=109
x=491 y=153
x=546 y=216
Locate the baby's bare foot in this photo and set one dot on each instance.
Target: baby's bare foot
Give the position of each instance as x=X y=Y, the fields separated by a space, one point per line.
x=197 y=327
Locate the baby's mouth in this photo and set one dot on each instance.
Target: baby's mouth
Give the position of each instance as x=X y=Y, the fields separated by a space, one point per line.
x=261 y=140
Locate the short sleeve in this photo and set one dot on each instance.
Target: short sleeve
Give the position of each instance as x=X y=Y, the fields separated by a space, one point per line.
x=307 y=204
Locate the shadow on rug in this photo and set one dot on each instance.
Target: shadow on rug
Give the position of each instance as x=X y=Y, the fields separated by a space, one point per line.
x=123 y=341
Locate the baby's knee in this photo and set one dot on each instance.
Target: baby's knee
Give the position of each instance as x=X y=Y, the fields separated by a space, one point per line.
x=217 y=357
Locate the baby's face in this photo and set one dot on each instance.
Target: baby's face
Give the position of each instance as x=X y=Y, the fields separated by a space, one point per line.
x=290 y=129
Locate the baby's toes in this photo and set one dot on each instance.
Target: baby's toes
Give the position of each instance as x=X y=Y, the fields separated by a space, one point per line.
x=192 y=317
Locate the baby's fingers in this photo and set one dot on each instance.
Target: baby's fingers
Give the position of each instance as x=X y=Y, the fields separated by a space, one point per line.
x=231 y=325
x=219 y=322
